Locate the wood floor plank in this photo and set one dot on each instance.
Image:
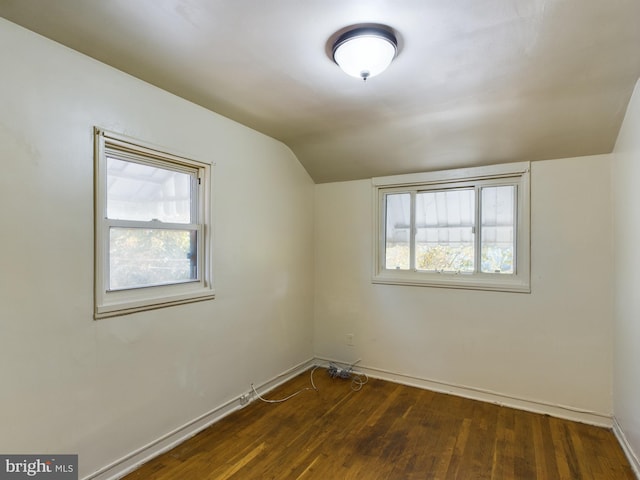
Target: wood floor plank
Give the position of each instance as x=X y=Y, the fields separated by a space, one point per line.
x=542 y=463
x=388 y=431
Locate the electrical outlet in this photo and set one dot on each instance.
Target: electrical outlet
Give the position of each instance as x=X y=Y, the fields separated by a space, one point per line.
x=350 y=339
x=244 y=399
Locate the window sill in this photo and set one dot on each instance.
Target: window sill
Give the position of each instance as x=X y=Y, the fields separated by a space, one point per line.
x=116 y=307
x=496 y=283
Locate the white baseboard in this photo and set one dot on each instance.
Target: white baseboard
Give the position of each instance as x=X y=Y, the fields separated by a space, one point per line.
x=135 y=459
x=559 y=411
x=626 y=447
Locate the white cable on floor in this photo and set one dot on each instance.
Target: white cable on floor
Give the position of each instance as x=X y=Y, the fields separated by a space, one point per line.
x=358 y=380
x=313 y=387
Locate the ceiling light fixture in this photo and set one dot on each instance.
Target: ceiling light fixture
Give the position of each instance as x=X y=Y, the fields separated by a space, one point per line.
x=365 y=52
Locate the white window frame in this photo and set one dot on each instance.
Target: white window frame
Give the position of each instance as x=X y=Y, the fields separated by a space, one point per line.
x=110 y=303
x=504 y=174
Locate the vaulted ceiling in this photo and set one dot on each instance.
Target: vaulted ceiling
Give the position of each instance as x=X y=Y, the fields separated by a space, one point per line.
x=476 y=82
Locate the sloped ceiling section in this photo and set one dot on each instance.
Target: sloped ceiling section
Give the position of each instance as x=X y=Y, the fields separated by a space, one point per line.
x=476 y=82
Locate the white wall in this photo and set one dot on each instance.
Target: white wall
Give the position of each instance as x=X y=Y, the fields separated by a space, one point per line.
x=626 y=188
x=553 y=346
x=104 y=388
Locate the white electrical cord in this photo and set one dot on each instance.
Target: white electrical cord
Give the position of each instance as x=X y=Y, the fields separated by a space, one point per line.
x=313 y=387
x=358 y=380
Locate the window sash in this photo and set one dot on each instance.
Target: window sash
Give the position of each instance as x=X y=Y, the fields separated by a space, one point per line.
x=460 y=226
x=512 y=225
x=193 y=176
x=515 y=176
x=154 y=226
x=109 y=223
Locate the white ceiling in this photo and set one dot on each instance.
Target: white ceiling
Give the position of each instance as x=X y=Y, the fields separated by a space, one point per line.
x=476 y=82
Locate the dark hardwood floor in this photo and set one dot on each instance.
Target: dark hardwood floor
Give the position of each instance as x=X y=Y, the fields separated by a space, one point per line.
x=388 y=431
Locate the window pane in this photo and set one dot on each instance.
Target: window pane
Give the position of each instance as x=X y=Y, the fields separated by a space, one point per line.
x=445 y=230
x=144 y=192
x=142 y=257
x=498 y=228
x=398 y=227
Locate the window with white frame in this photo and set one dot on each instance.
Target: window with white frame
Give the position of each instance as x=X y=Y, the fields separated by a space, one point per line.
x=153 y=239
x=466 y=228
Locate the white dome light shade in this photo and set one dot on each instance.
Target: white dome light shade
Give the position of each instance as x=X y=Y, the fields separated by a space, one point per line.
x=365 y=52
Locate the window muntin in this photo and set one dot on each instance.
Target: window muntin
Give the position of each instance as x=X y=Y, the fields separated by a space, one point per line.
x=153 y=234
x=460 y=228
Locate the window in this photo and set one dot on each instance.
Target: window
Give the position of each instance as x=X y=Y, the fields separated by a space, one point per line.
x=466 y=228
x=152 y=227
